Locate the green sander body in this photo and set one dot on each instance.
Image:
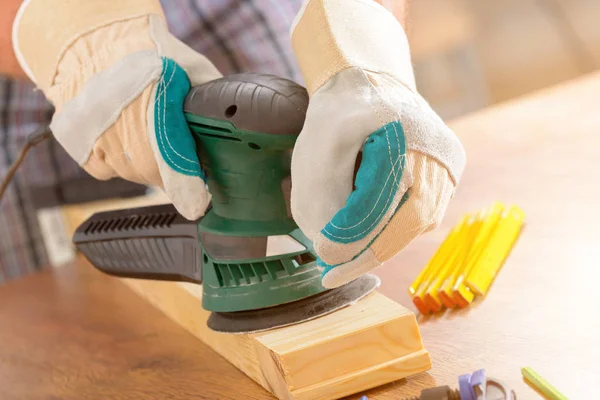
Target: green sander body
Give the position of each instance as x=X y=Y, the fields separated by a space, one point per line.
x=245 y=127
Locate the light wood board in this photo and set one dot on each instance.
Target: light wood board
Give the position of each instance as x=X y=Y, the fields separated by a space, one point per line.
x=368 y=344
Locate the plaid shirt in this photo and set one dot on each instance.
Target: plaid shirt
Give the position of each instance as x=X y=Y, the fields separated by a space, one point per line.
x=236 y=35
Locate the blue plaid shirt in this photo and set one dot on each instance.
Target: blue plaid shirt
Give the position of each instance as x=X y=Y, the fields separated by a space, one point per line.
x=236 y=35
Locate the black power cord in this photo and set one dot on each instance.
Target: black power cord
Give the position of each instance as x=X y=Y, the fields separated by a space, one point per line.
x=33 y=139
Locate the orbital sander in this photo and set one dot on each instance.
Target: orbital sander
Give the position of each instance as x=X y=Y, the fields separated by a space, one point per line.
x=244 y=127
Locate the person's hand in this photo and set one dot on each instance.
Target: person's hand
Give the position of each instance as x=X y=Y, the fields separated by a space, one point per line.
x=118 y=79
x=355 y=60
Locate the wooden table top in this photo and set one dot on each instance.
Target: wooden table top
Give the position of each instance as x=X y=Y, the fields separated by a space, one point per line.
x=73 y=333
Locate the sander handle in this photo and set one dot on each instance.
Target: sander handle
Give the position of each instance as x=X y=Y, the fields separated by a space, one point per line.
x=153 y=242
x=244 y=127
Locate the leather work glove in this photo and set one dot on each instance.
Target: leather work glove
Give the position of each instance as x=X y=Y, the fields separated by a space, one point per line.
x=117 y=79
x=355 y=60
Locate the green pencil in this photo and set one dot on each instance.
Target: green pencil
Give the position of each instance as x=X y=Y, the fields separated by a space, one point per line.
x=541 y=384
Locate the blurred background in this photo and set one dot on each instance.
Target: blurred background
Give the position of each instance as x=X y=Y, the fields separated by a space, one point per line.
x=469 y=54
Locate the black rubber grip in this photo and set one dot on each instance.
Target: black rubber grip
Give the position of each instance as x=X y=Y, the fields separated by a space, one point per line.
x=148 y=242
x=254 y=102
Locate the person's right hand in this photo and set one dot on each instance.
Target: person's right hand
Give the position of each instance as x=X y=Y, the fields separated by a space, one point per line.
x=118 y=80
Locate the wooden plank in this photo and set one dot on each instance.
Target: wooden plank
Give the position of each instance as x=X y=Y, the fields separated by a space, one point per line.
x=366 y=379
x=373 y=342
x=313 y=352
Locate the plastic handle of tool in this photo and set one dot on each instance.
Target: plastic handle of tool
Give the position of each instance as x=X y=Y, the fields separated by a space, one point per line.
x=245 y=126
x=153 y=242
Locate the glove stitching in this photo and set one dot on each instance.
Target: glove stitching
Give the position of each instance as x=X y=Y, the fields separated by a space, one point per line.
x=163 y=88
x=356 y=81
x=393 y=170
x=384 y=210
x=390 y=116
x=378 y=198
x=381 y=120
x=368 y=246
x=167 y=136
x=162 y=125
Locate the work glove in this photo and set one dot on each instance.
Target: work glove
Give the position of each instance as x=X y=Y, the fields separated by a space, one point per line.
x=355 y=60
x=117 y=79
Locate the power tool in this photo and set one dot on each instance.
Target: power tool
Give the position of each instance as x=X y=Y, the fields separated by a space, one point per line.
x=245 y=127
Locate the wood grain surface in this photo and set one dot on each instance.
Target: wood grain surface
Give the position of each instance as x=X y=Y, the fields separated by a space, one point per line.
x=541 y=152
x=374 y=342
x=75 y=334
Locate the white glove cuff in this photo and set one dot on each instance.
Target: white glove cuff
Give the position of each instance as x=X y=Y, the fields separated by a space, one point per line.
x=328 y=37
x=44 y=30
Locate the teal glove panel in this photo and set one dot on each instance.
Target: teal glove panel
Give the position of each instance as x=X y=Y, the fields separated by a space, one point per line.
x=173 y=136
x=377 y=182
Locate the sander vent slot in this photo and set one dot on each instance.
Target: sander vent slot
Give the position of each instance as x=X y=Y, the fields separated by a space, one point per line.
x=304 y=258
x=220 y=279
x=235 y=275
x=214 y=135
x=131 y=222
x=148 y=242
x=214 y=131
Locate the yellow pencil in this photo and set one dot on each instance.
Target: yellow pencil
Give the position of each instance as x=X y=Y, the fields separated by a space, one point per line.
x=422 y=282
x=445 y=291
x=432 y=297
x=435 y=260
x=462 y=295
x=499 y=246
